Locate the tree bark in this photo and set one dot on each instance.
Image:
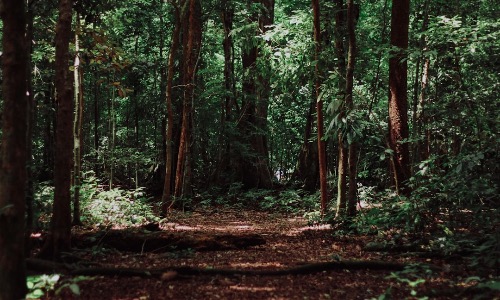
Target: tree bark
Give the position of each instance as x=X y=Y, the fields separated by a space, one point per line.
x=253 y=168
x=30 y=193
x=13 y=153
x=307 y=169
x=221 y=174
x=77 y=129
x=167 y=186
x=191 y=51
x=319 y=108
x=342 y=154
x=398 y=100
x=59 y=239
x=351 y=62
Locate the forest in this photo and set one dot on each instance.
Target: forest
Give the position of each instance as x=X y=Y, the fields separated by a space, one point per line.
x=252 y=149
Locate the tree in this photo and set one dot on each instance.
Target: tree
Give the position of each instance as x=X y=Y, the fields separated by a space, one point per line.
x=398 y=101
x=352 y=12
x=13 y=173
x=342 y=154
x=167 y=185
x=319 y=109
x=77 y=126
x=253 y=167
x=59 y=239
x=191 y=50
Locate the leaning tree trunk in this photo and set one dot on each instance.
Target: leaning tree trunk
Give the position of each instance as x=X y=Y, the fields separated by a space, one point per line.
x=13 y=151
x=59 y=239
x=398 y=101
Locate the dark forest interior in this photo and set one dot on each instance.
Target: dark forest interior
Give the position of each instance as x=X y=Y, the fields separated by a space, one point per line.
x=253 y=149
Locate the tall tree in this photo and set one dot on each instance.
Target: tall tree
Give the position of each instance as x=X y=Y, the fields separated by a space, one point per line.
x=228 y=105
x=191 y=49
x=342 y=154
x=352 y=12
x=253 y=165
x=319 y=108
x=77 y=126
x=59 y=239
x=398 y=100
x=167 y=185
x=30 y=162
x=13 y=151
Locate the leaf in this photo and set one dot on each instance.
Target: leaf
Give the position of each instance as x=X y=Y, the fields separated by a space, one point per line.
x=493 y=285
x=75 y=289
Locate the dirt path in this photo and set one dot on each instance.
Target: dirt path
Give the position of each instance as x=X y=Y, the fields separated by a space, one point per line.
x=289 y=242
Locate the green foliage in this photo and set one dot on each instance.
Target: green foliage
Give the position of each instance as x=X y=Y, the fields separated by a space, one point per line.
x=43 y=200
x=486 y=256
x=40 y=285
x=413 y=275
x=116 y=207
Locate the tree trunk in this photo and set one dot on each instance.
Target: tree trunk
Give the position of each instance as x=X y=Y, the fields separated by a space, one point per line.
x=423 y=147
x=191 y=51
x=352 y=12
x=307 y=169
x=13 y=151
x=77 y=130
x=419 y=74
x=342 y=154
x=167 y=186
x=59 y=239
x=319 y=108
x=29 y=131
x=253 y=167
x=97 y=168
x=398 y=101
x=221 y=174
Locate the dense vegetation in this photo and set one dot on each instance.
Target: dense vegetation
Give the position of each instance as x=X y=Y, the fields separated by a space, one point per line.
x=186 y=103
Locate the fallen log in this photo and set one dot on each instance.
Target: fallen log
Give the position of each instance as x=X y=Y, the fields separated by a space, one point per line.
x=158 y=242
x=184 y=271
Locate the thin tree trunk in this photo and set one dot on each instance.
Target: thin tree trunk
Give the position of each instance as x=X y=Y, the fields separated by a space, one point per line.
x=13 y=151
x=398 y=101
x=225 y=136
x=319 y=109
x=419 y=72
x=29 y=134
x=423 y=147
x=97 y=169
x=78 y=141
x=59 y=239
x=343 y=154
x=112 y=136
x=351 y=61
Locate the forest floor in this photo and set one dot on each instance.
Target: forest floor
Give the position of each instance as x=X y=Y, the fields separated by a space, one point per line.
x=275 y=242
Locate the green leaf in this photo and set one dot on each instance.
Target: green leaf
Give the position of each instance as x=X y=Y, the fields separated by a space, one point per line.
x=75 y=289
x=493 y=285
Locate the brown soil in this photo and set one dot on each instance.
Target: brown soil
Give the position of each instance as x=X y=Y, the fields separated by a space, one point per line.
x=289 y=242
